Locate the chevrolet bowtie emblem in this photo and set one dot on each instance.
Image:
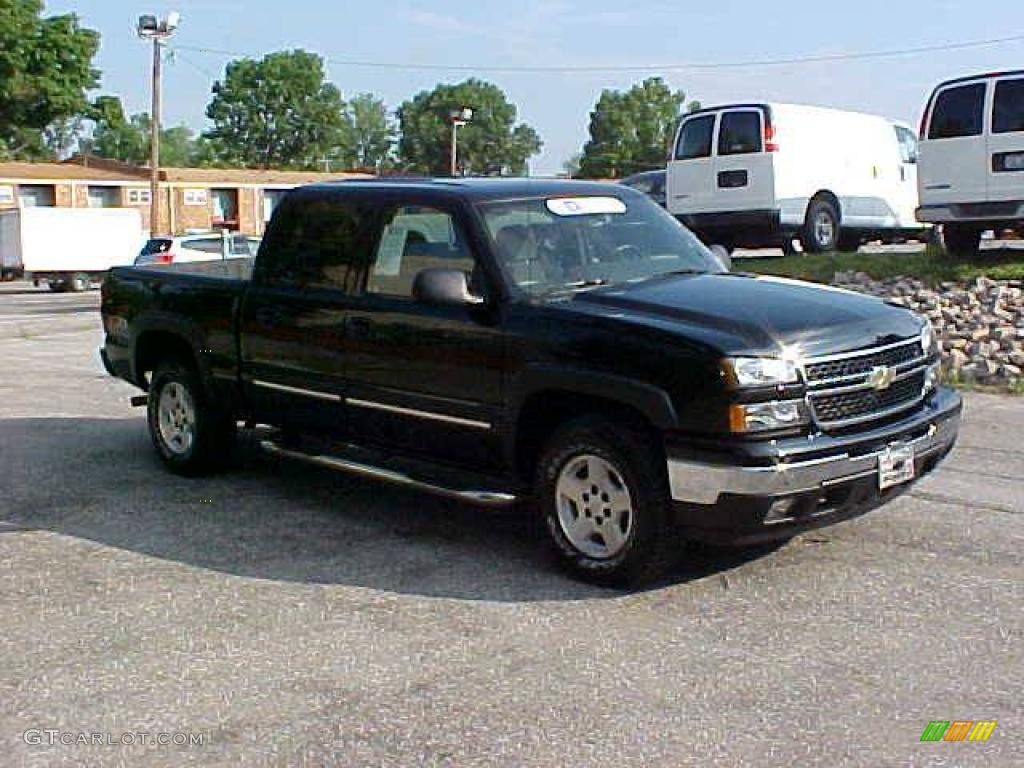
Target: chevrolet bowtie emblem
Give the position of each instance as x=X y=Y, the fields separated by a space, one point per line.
x=881 y=377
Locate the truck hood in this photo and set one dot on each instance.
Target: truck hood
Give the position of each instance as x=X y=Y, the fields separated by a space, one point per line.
x=748 y=314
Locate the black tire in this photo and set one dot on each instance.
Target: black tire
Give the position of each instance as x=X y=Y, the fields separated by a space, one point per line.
x=961 y=241
x=212 y=434
x=648 y=540
x=821 y=227
x=57 y=286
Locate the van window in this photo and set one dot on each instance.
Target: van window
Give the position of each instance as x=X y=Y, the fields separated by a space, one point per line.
x=695 y=138
x=1008 y=112
x=739 y=133
x=907 y=140
x=958 y=112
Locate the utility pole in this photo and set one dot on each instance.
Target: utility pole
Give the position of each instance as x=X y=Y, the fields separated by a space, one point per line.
x=157 y=30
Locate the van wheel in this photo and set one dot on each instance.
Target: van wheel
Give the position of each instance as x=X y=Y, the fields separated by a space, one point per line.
x=79 y=283
x=190 y=434
x=821 y=227
x=602 y=493
x=961 y=241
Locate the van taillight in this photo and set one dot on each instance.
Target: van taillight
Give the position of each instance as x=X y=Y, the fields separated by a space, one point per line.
x=770 y=145
x=165 y=258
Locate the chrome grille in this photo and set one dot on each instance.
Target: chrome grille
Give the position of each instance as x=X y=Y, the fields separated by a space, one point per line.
x=841 y=391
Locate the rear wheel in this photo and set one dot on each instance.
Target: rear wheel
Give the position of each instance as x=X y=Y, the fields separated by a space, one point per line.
x=961 y=241
x=821 y=227
x=602 y=493
x=191 y=435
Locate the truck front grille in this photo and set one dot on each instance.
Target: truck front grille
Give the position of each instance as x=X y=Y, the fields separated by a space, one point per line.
x=870 y=385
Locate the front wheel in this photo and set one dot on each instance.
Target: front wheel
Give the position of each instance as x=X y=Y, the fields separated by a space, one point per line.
x=961 y=242
x=821 y=227
x=190 y=434
x=603 y=496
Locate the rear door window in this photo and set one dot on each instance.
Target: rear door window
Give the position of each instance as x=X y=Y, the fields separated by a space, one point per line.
x=1008 y=108
x=315 y=244
x=958 y=112
x=695 y=138
x=739 y=133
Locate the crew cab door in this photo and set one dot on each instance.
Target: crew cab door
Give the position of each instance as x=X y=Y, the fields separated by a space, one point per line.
x=1006 y=141
x=423 y=378
x=953 y=152
x=293 y=320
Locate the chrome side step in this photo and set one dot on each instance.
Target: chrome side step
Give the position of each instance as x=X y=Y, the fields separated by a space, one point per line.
x=481 y=497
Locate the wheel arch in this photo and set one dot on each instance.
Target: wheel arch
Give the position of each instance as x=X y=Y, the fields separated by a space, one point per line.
x=157 y=343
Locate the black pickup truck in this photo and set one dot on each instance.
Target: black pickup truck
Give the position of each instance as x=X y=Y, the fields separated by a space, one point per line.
x=565 y=344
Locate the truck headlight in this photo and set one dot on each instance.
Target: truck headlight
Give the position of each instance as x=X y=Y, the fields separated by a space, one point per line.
x=762 y=417
x=759 y=371
x=931 y=377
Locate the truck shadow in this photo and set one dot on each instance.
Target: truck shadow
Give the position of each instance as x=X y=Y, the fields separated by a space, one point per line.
x=99 y=480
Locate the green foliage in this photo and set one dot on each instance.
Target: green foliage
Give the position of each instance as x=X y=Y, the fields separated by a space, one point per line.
x=45 y=72
x=371 y=133
x=128 y=140
x=277 y=112
x=490 y=145
x=931 y=266
x=630 y=131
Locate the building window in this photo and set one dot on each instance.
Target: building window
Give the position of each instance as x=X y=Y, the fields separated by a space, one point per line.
x=6 y=194
x=103 y=197
x=37 y=195
x=195 y=197
x=138 y=196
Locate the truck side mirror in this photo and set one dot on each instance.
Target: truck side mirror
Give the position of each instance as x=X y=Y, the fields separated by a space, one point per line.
x=444 y=287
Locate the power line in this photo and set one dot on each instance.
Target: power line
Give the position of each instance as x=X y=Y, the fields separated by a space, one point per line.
x=540 y=68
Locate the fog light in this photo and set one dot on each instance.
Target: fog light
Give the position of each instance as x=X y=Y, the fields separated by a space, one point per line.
x=931 y=377
x=779 y=510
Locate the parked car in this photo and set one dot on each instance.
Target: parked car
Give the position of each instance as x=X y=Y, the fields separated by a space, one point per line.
x=207 y=246
x=651 y=183
x=565 y=344
x=972 y=158
x=67 y=248
x=759 y=175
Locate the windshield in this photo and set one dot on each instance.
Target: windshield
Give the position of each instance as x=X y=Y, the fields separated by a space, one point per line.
x=557 y=245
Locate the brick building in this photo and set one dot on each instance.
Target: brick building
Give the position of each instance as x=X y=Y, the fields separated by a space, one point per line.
x=190 y=198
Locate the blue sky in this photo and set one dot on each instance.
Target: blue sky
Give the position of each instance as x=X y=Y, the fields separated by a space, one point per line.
x=570 y=32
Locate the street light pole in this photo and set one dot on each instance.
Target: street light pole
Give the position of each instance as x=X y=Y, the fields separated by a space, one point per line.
x=154 y=143
x=457 y=117
x=157 y=30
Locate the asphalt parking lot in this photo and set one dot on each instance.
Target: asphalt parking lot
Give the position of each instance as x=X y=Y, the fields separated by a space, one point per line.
x=292 y=616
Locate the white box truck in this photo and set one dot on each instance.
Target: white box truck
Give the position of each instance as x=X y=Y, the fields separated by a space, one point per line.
x=759 y=175
x=68 y=248
x=972 y=158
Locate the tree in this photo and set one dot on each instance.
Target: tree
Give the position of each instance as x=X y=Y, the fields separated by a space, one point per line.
x=631 y=131
x=128 y=140
x=45 y=73
x=371 y=133
x=277 y=112
x=491 y=144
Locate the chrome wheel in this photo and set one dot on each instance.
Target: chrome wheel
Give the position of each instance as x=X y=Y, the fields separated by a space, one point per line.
x=595 y=510
x=176 y=415
x=824 y=229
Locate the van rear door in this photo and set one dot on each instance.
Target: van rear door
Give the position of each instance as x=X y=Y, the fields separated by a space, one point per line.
x=742 y=177
x=1006 y=141
x=689 y=172
x=954 y=154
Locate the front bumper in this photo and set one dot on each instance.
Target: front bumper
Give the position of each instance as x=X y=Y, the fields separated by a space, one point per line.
x=819 y=479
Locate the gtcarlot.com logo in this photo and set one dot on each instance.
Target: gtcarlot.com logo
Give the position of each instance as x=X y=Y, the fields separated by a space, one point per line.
x=51 y=737
x=958 y=730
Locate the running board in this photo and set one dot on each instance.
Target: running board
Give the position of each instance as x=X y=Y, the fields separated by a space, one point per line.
x=481 y=497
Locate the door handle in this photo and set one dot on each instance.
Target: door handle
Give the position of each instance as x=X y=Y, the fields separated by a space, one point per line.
x=358 y=327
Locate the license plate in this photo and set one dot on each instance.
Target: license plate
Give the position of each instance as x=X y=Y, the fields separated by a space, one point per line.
x=895 y=466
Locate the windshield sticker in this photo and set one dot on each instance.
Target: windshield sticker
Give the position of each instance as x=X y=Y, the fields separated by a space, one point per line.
x=582 y=206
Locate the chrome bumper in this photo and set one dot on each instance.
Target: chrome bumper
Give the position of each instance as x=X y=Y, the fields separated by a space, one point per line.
x=700 y=483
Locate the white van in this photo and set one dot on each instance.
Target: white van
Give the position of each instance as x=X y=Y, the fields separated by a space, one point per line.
x=759 y=175
x=972 y=158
